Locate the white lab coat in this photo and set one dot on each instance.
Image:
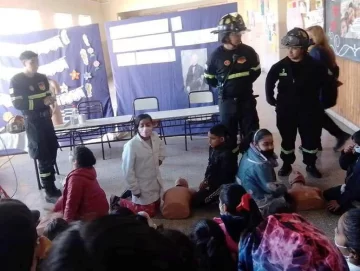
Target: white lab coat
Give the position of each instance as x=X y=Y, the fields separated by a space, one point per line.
x=141 y=168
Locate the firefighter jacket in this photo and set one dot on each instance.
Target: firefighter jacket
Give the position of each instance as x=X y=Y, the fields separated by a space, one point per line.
x=233 y=71
x=298 y=83
x=28 y=93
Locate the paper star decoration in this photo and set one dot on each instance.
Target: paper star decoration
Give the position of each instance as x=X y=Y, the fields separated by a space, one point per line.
x=64 y=88
x=87 y=76
x=75 y=75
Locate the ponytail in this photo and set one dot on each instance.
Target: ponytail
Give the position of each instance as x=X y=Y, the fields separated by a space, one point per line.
x=211 y=248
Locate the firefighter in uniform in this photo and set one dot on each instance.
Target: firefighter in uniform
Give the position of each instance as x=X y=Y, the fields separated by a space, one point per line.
x=300 y=79
x=233 y=68
x=30 y=93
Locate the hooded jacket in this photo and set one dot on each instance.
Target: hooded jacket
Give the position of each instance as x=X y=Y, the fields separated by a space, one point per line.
x=83 y=198
x=256 y=174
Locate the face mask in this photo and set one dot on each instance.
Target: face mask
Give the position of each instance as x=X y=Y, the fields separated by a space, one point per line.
x=145 y=131
x=357 y=149
x=268 y=153
x=336 y=244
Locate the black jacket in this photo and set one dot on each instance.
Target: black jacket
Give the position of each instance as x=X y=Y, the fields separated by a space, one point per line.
x=351 y=163
x=244 y=66
x=222 y=167
x=298 y=93
x=28 y=93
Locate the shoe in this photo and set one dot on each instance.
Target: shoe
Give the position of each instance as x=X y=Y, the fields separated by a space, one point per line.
x=126 y=194
x=51 y=199
x=313 y=171
x=320 y=148
x=341 y=140
x=52 y=193
x=114 y=202
x=285 y=170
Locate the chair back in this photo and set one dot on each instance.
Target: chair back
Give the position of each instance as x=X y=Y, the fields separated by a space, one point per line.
x=91 y=109
x=146 y=104
x=201 y=97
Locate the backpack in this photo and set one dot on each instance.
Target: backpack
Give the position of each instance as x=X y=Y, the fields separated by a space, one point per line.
x=329 y=94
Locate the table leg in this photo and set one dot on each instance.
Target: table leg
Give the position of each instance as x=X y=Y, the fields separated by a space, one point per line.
x=37 y=174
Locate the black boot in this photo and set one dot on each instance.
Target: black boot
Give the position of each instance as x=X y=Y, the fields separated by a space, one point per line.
x=313 y=171
x=52 y=193
x=285 y=170
x=341 y=140
x=126 y=194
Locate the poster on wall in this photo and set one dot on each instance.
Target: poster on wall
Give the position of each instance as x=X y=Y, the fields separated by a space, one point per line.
x=193 y=65
x=343 y=27
x=304 y=13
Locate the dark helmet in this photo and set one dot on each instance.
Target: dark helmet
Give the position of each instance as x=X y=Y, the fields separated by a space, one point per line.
x=232 y=22
x=296 y=37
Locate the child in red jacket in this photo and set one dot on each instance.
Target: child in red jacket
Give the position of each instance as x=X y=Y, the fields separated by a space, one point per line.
x=83 y=198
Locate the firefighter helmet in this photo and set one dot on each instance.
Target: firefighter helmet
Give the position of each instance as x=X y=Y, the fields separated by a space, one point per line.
x=296 y=37
x=232 y=22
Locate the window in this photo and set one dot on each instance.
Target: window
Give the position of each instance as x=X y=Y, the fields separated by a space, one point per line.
x=19 y=21
x=85 y=20
x=63 y=20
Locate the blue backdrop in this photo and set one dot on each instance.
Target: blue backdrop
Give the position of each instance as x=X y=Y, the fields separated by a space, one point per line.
x=163 y=80
x=79 y=47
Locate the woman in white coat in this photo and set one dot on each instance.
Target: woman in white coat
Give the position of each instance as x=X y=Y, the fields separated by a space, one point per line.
x=142 y=156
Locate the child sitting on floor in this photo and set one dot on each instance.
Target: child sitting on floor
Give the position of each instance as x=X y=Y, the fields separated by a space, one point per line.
x=221 y=169
x=257 y=175
x=341 y=198
x=304 y=197
x=83 y=198
x=177 y=201
x=234 y=203
x=142 y=157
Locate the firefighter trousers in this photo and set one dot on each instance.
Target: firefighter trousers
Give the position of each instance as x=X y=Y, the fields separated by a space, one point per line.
x=236 y=114
x=309 y=126
x=43 y=147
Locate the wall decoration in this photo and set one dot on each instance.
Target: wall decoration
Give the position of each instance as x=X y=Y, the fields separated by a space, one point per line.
x=162 y=71
x=50 y=69
x=96 y=64
x=88 y=88
x=84 y=56
x=58 y=63
x=64 y=88
x=193 y=64
x=343 y=27
x=75 y=75
x=64 y=37
x=86 y=40
x=87 y=76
